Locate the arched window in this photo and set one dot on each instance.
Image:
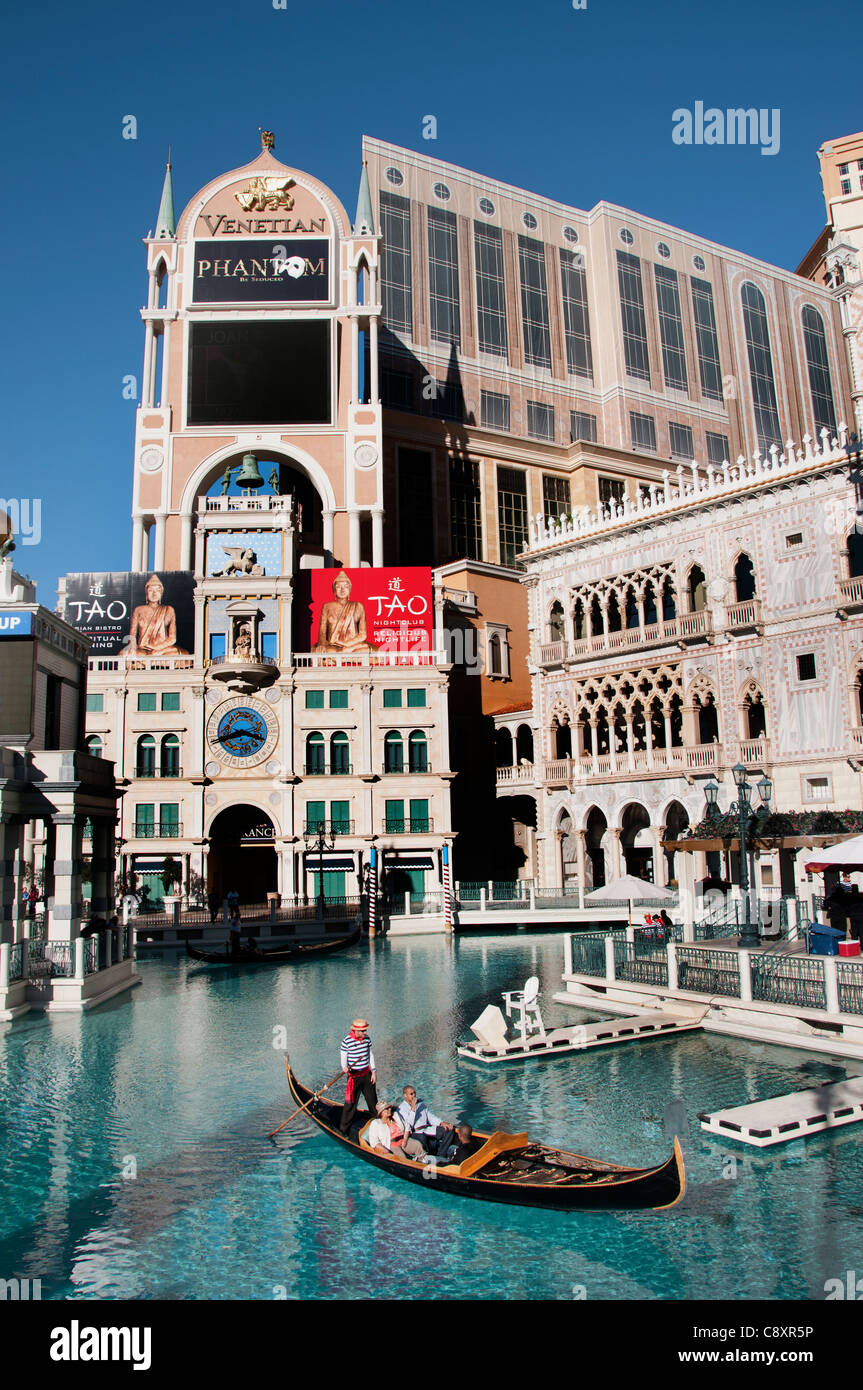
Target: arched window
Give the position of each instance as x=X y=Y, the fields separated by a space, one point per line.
x=579 y=625
x=418 y=752
x=855 y=554
x=708 y=719
x=631 y=611
x=669 y=601
x=339 y=753
x=495 y=655
x=394 y=753
x=94 y=746
x=858 y=698
x=818 y=364
x=744 y=578
x=760 y=367
x=503 y=748
x=597 y=619
x=314 y=755
x=145 y=756
x=169 y=759
x=524 y=744
x=555 y=622
x=755 y=716
x=161 y=299
x=613 y=612
x=697 y=587
x=562 y=738
x=650 y=614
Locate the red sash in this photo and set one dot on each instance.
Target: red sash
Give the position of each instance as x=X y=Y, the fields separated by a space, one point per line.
x=351 y=1087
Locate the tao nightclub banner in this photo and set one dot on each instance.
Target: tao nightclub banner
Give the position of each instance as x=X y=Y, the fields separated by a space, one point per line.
x=133 y=614
x=369 y=610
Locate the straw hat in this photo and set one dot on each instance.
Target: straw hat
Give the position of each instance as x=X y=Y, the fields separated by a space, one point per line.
x=360 y=1023
x=383 y=1105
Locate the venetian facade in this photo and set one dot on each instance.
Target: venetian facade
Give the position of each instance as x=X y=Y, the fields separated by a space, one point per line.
x=717 y=620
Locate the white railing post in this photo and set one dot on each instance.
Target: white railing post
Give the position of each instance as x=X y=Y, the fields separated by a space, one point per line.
x=532 y=898
x=831 y=983
x=745 y=976
x=482 y=900
x=79 y=957
x=793 y=919
x=609 y=958
x=671 y=948
x=5 y=954
x=567 y=955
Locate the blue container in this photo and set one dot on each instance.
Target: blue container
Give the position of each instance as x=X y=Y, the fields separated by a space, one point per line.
x=824 y=940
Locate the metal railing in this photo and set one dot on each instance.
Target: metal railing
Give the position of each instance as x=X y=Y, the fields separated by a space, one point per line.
x=331 y=827
x=850 y=976
x=146 y=773
x=588 y=953
x=416 y=904
x=409 y=825
x=638 y=969
x=708 y=972
x=52 y=959
x=16 y=962
x=165 y=830
x=328 y=770
x=412 y=765
x=785 y=979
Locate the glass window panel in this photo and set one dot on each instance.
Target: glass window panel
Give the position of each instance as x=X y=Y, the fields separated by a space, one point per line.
x=419 y=819
x=443 y=276
x=417 y=752
x=555 y=496
x=465 y=502
x=576 y=318
x=495 y=410
x=682 y=446
x=314 y=699
x=338 y=699
x=218 y=645
x=582 y=426
x=396 y=262
x=632 y=316
x=643 y=430
x=490 y=289
x=706 y=339
x=540 y=420
x=611 y=489
x=394 y=813
x=670 y=327
x=511 y=513
x=340 y=817
x=761 y=368
x=534 y=302
x=818 y=364
x=94 y=704
x=270 y=645
x=717 y=448
x=416 y=699
x=316 y=811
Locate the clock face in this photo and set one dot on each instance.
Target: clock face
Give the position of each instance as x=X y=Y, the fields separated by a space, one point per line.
x=242 y=732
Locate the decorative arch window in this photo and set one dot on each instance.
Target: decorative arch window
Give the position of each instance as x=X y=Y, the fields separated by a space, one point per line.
x=503 y=747
x=669 y=601
x=818 y=365
x=708 y=717
x=524 y=743
x=555 y=622
x=339 y=753
x=696 y=585
x=854 y=552
x=857 y=697
x=744 y=578
x=497 y=652
x=394 y=753
x=145 y=756
x=754 y=714
x=94 y=746
x=760 y=367
x=418 y=752
x=561 y=737
x=161 y=286
x=169 y=756
x=314 y=755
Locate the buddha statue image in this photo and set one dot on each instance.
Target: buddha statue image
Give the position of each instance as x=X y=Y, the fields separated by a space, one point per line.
x=153 y=626
x=342 y=627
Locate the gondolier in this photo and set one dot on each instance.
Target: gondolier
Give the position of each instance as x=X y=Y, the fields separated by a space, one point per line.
x=359 y=1062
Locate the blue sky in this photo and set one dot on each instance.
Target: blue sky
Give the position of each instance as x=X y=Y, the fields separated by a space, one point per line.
x=574 y=104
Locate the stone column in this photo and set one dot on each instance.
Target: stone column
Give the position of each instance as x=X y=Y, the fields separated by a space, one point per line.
x=65 y=917
x=149 y=365
x=137 y=544
x=366 y=754
x=10 y=833
x=374 y=389
x=187 y=531
x=630 y=744
x=329 y=541
x=557 y=841
x=354 y=544
x=615 y=853
x=100 y=867
x=581 y=856
x=377 y=534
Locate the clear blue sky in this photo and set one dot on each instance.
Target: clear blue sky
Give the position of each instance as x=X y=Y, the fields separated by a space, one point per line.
x=573 y=104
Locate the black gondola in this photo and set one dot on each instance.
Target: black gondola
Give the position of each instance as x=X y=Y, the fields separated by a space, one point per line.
x=508 y=1168
x=274 y=955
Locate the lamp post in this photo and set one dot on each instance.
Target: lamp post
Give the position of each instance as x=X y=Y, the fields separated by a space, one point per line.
x=745 y=816
x=318 y=839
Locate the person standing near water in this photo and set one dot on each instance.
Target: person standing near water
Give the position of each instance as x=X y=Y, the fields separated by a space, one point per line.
x=358 y=1061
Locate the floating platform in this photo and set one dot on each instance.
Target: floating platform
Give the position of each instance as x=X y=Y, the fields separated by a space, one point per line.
x=783 y=1118
x=492 y=1044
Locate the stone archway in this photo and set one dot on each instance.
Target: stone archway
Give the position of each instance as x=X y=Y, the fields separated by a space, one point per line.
x=636 y=843
x=243 y=855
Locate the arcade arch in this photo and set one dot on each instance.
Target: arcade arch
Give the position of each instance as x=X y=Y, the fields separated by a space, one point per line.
x=242 y=855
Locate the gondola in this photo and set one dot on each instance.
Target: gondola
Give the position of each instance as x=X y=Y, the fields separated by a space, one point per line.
x=274 y=955
x=509 y=1168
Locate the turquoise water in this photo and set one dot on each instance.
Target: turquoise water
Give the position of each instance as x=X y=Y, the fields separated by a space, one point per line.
x=134 y=1160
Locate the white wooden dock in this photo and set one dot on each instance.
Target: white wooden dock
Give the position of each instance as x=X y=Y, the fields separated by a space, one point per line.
x=585 y=1036
x=783 y=1118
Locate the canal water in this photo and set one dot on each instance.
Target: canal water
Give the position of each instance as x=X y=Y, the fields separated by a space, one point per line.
x=134 y=1161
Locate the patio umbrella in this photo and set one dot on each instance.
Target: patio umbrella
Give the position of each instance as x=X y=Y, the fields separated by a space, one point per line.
x=628 y=887
x=847 y=856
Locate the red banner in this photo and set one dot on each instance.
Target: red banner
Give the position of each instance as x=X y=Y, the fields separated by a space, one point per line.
x=371 y=610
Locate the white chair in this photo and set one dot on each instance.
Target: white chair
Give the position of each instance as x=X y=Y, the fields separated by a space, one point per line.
x=522 y=1006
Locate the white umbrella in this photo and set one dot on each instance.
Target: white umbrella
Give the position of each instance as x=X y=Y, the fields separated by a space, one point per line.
x=627 y=888
x=848 y=855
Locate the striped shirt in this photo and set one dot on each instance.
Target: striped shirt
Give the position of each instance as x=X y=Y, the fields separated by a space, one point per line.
x=357 y=1054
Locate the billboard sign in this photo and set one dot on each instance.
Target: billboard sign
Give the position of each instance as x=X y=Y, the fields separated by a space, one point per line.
x=370 y=610
x=124 y=614
x=293 y=270
x=14 y=623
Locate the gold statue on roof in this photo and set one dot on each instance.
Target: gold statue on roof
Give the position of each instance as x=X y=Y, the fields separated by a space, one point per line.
x=264 y=193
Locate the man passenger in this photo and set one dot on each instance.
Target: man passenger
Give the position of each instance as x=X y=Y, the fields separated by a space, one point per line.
x=421 y=1124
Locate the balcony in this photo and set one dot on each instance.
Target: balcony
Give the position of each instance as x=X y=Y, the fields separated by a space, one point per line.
x=408 y=825
x=755 y=752
x=243 y=673
x=144 y=773
x=857 y=737
x=402 y=769
x=640 y=762
x=146 y=830
x=851 y=593
x=688 y=627
x=523 y=775
x=744 y=617
x=330 y=828
x=333 y=770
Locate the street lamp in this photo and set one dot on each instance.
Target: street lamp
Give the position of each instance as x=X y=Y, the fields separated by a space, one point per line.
x=317 y=838
x=745 y=816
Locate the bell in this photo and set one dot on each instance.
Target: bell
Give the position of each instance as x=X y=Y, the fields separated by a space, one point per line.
x=248 y=475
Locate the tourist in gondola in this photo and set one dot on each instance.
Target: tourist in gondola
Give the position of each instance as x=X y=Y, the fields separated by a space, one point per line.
x=421 y=1124
x=462 y=1145
x=359 y=1062
x=386 y=1134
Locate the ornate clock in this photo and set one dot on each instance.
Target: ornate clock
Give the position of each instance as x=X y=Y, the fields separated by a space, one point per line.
x=242 y=732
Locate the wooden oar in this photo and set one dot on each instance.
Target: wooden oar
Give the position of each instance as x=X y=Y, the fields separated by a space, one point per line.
x=308 y=1102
